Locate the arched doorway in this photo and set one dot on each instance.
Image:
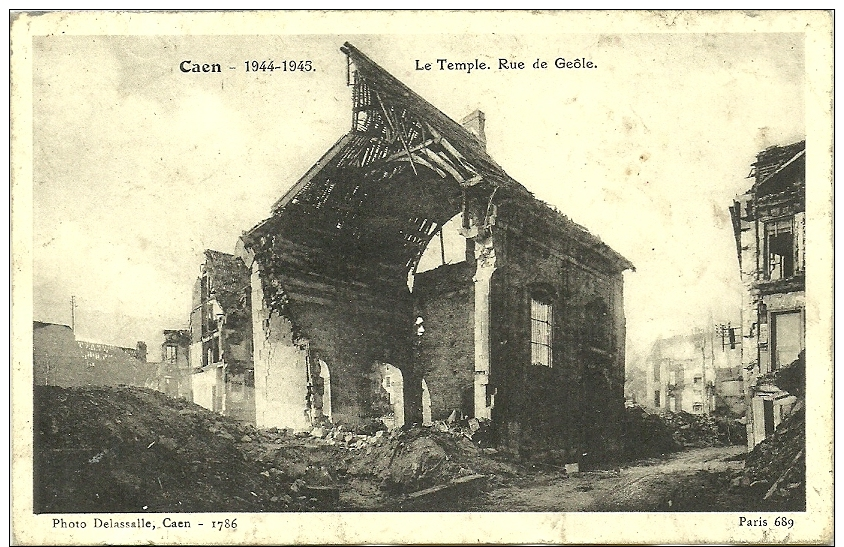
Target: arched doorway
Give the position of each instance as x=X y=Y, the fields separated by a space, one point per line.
x=447 y=246
x=393 y=383
x=325 y=374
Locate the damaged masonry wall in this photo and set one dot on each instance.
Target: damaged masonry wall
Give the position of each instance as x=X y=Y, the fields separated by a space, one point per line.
x=332 y=309
x=322 y=334
x=769 y=222
x=576 y=404
x=220 y=350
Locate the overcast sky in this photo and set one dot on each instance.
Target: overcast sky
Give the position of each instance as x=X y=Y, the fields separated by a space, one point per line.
x=139 y=167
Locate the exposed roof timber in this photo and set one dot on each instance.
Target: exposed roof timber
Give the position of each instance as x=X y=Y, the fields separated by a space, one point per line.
x=783 y=167
x=477 y=180
x=459 y=142
x=315 y=170
x=361 y=199
x=444 y=164
x=422 y=161
x=400 y=131
x=457 y=155
x=399 y=155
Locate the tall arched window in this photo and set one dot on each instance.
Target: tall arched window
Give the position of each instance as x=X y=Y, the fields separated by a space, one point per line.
x=541 y=332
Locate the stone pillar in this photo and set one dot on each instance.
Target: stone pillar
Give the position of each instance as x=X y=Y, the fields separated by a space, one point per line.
x=485 y=255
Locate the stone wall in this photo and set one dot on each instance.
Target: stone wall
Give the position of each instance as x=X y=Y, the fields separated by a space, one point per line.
x=577 y=404
x=444 y=299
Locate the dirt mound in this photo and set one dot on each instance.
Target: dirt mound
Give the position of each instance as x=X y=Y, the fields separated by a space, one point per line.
x=128 y=449
x=389 y=463
x=776 y=468
x=421 y=457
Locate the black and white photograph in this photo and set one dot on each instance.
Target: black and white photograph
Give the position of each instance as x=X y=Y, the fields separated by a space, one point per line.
x=415 y=277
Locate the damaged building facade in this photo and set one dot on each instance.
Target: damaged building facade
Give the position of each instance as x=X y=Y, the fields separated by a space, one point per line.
x=59 y=359
x=172 y=375
x=699 y=372
x=220 y=349
x=769 y=222
x=526 y=331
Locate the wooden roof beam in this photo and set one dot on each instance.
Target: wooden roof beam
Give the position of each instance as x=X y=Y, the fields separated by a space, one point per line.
x=399 y=131
x=444 y=164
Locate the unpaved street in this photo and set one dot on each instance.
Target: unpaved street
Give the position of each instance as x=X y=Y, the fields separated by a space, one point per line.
x=649 y=485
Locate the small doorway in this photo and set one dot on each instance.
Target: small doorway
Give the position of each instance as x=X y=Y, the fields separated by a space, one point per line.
x=768 y=416
x=393 y=383
x=426 y=404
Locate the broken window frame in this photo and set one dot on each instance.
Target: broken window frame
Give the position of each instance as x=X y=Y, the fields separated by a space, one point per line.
x=780 y=265
x=541 y=332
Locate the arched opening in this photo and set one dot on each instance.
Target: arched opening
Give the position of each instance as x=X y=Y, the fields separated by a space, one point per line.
x=447 y=246
x=392 y=381
x=426 y=404
x=325 y=375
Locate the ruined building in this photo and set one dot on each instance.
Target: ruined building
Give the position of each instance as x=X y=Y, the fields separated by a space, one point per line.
x=527 y=330
x=699 y=372
x=59 y=359
x=172 y=375
x=221 y=338
x=769 y=222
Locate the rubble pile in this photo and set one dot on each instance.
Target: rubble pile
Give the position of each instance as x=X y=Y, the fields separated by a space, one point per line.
x=397 y=462
x=703 y=430
x=129 y=449
x=420 y=457
x=646 y=434
x=775 y=470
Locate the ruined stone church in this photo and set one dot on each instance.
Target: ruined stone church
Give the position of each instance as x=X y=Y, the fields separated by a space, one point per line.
x=523 y=327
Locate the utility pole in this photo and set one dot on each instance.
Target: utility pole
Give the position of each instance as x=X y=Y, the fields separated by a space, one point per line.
x=73 y=313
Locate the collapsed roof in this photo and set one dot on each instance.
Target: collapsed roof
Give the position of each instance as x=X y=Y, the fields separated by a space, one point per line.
x=388 y=185
x=775 y=164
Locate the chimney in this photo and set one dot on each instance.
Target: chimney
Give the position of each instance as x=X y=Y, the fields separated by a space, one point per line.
x=474 y=123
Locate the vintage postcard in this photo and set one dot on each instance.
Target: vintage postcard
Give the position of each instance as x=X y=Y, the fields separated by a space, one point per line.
x=421 y=277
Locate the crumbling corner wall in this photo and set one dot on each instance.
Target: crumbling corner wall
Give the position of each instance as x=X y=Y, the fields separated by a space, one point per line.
x=280 y=366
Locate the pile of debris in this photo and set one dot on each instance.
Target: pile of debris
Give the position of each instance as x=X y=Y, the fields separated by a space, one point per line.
x=775 y=470
x=395 y=462
x=704 y=430
x=646 y=434
x=479 y=431
x=129 y=449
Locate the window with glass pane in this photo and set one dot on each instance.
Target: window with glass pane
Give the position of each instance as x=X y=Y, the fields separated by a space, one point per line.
x=541 y=320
